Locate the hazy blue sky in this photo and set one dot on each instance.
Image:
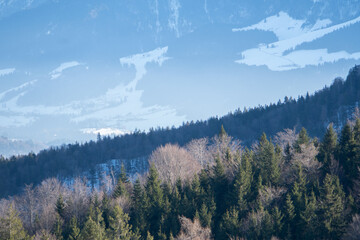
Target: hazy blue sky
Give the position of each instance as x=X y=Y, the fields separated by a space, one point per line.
x=70 y=69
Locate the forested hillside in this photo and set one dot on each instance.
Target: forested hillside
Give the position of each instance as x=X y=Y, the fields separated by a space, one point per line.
x=292 y=187
x=314 y=112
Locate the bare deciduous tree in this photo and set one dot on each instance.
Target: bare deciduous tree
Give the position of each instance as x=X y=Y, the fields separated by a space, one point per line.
x=78 y=200
x=220 y=144
x=27 y=206
x=307 y=159
x=269 y=194
x=198 y=149
x=4 y=206
x=173 y=162
x=48 y=192
x=287 y=136
x=193 y=230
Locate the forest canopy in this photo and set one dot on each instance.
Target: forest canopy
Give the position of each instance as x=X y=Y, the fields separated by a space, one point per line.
x=292 y=187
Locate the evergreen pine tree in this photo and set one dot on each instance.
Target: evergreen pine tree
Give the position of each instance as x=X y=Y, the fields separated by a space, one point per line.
x=309 y=219
x=11 y=227
x=94 y=227
x=230 y=223
x=205 y=216
x=290 y=213
x=333 y=208
x=74 y=233
x=156 y=201
x=267 y=227
x=220 y=188
x=138 y=208
x=120 y=188
x=267 y=161
x=346 y=155
x=58 y=227
x=303 y=138
x=242 y=182
x=60 y=206
x=327 y=148
x=222 y=133
x=278 y=221
x=119 y=228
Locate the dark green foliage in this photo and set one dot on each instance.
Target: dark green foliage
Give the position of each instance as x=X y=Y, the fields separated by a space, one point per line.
x=139 y=207
x=230 y=224
x=278 y=221
x=74 y=229
x=333 y=206
x=60 y=206
x=243 y=181
x=327 y=149
x=309 y=218
x=119 y=228
x=11 y=227
x=290 y=214
x=155 y=201
x=120 y=188
x=302 y=139
x=251 y=202
x=347 y=155
x=58 y=228
x=267 y=161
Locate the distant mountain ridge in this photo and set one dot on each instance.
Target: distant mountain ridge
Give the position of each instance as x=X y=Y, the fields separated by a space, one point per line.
x=9 y=147
x=314 y=112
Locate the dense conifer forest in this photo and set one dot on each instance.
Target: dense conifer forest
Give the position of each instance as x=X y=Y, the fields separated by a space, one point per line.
x=289 y=187
x=314 y=112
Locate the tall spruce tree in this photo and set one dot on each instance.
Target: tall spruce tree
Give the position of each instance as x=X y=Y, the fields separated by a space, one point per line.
x=347 y=155
x=278 y=221
x=309 y=218
x=267 y=161
x=119 y=228
x=303 y=138
x=120 y=188
x=155 y=201
x=11 y=227
x=333 y=200
x=74 y=233
x=327 y=149
x=229 y=226
x=138 y=208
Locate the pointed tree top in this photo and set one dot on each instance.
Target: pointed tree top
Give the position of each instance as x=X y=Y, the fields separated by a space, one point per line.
x=222 y=132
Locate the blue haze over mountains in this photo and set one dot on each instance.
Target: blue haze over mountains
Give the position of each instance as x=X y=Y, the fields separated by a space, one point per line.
x=70 y=69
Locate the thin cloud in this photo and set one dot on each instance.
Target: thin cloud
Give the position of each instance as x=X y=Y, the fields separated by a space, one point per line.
x=58 y=71
x=174 y=16
x=291 y=34
x=6 y=71
x=120 y=107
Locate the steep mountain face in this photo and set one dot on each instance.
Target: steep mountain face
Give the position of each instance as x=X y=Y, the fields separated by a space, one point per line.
x=314 y=112
x=71 y=69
